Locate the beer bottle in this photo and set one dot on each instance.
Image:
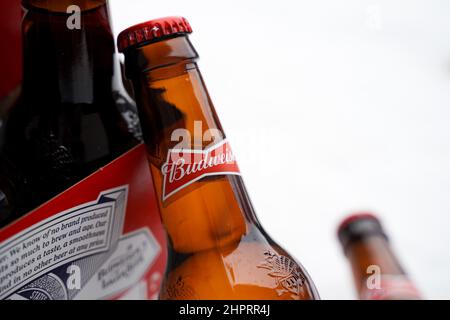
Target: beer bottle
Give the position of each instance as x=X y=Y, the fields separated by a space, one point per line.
x=217 y=247
x=377 y=272
x=72 y=115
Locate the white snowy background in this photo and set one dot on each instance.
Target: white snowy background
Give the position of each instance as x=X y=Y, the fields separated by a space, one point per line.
x=331 y=107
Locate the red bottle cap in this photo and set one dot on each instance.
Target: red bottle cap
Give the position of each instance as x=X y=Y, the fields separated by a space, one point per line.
x=359 y=226
x=356 y=217
x=152 y=31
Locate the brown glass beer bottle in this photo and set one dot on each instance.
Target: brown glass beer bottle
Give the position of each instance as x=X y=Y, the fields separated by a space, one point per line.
x=217 y=247
x=377 y=272
x=72 y=116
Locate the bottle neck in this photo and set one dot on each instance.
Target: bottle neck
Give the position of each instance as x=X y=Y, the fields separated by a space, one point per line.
x=166 y=74
x=176 y=114
x=158 y=60
x=372 y=256
x=73 y=52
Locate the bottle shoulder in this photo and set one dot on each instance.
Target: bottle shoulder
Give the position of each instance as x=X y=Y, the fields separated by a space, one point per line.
x=246 y=270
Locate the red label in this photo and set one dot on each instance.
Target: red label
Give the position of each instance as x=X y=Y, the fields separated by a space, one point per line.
x=392 y=288
x=184 y=167
x=100 y=239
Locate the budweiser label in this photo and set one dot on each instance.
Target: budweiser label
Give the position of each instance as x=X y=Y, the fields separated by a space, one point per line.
x=100 y=239
x=186 y=166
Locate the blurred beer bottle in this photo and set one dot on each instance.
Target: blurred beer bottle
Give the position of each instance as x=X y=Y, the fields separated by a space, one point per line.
x=72 y=115
x=217 y=247
x=377 y=272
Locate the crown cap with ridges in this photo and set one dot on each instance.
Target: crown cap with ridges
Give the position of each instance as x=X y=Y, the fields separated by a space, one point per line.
x=152 y=30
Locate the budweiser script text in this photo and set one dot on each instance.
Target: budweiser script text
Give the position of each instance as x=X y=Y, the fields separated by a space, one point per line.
x=184 y=167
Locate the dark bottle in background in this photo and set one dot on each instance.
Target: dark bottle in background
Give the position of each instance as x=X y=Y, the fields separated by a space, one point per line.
x=377 y=273
x=72 y=115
